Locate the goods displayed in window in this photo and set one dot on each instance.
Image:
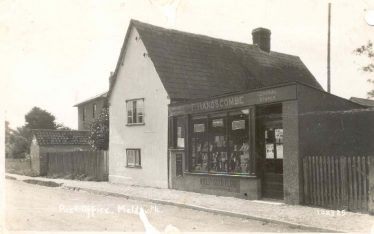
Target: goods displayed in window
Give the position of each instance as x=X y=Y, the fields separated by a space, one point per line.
x=200 y=146
x=239 y=142
x=220 y=143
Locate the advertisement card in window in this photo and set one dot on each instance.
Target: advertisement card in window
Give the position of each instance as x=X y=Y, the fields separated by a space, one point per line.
x=279 y=151
x=270 y=151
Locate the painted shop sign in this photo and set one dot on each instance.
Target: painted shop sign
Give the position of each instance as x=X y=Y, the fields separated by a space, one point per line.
x=220 y=183
x=216 y=104
x=259 y=97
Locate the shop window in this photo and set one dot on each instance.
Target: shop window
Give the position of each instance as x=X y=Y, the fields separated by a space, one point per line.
x=200 y=145
x=135 y=111
x=218 y=161
x=176 y=132
x=221 y=143
x=180 y=132
x=133 y=158
x=239 y=142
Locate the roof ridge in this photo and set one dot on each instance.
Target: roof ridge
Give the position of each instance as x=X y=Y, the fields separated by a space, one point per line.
x=92 y=98
x=211 y=38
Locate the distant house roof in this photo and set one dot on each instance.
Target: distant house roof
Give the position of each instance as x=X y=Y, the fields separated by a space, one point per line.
x=102 y=95
x=60 y=137
x=196 y=66
x=362 y=101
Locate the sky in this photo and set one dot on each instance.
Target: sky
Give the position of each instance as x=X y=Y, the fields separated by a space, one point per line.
x=56 y=53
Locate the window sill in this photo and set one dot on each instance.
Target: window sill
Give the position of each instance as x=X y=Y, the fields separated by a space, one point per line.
x=135 y=124
x=176 y=149
x=136 y=167
x=221 y=174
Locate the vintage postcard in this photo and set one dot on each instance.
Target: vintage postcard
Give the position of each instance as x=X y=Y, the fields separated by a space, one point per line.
x=187 y=116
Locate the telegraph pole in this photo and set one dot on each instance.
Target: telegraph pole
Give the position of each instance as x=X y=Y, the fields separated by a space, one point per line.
x=328 y=51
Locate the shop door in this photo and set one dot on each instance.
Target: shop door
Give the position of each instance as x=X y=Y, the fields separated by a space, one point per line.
x=271 y=138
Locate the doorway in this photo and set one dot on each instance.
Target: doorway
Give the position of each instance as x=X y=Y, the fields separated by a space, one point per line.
x=269 y=147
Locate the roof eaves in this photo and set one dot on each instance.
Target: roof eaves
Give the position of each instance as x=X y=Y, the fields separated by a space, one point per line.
x=120 y=58
x=101 y=95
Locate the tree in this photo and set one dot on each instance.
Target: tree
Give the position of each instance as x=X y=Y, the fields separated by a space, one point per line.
x=61 y=126
x=367 y=50
x=38 y=118
x=8 y=136
x=17 y=142
x=99 y=131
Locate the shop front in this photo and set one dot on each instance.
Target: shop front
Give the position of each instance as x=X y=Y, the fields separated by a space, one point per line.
x=233 y=145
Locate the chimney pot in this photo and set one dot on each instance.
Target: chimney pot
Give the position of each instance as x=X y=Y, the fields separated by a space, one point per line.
x=261 y=37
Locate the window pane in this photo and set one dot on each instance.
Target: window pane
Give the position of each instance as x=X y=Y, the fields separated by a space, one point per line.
x=239 y=142
x=180 y=131
x=130 y=158
x=129 y=112
x=134 y=111
x=133 y=157
x=93 y=110
x=84 y=114
x=200 y=146
x=137 y=158
x=218 y=145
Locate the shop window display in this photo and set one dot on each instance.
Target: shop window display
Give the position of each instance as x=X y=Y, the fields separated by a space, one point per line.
x=239 y=142
x=200 y=145
x=218 y=144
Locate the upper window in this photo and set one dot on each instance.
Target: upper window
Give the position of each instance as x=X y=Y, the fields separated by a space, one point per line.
x=84 y=113
x=94 y=110
x=135 y=111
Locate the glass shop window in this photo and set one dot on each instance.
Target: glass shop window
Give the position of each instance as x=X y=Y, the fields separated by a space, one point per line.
x=200 y=145
x=274 y=143
x=239 y=142
x=180 y=131
x=218 y=143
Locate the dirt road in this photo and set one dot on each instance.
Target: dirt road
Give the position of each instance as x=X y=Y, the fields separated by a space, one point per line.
x=39 y=208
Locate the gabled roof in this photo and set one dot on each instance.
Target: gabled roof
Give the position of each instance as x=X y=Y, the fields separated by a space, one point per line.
x=46 y=137
x=363 y=101
x=195 y=66
x=102 y=95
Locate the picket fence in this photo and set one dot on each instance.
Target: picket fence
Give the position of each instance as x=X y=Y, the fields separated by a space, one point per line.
x=91 y=165
x=339 y=183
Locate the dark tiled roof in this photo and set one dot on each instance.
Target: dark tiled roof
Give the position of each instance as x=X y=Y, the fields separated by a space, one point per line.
x=102 y=95
x=61 y=137
x=195 y=66
x=363 y=101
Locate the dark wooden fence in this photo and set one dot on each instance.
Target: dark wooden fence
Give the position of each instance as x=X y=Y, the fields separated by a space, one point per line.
x=337 y=182
x=89 y=165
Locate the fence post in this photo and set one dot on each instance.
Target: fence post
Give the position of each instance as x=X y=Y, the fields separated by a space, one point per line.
x=371 y=185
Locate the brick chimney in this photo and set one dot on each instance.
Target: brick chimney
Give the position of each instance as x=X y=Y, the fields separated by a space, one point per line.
x=111 y=79
x=261 y=37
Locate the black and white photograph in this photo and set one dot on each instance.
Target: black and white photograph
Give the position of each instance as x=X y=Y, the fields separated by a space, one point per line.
x=187 y=116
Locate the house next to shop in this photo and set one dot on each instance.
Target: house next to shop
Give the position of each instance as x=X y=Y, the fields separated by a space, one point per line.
x=90 y=109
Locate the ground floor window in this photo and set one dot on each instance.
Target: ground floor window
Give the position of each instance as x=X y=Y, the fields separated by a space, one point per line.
x=220 y=142
x=133 y=158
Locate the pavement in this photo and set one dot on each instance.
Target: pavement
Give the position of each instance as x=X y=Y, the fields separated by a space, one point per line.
x=311 y=218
